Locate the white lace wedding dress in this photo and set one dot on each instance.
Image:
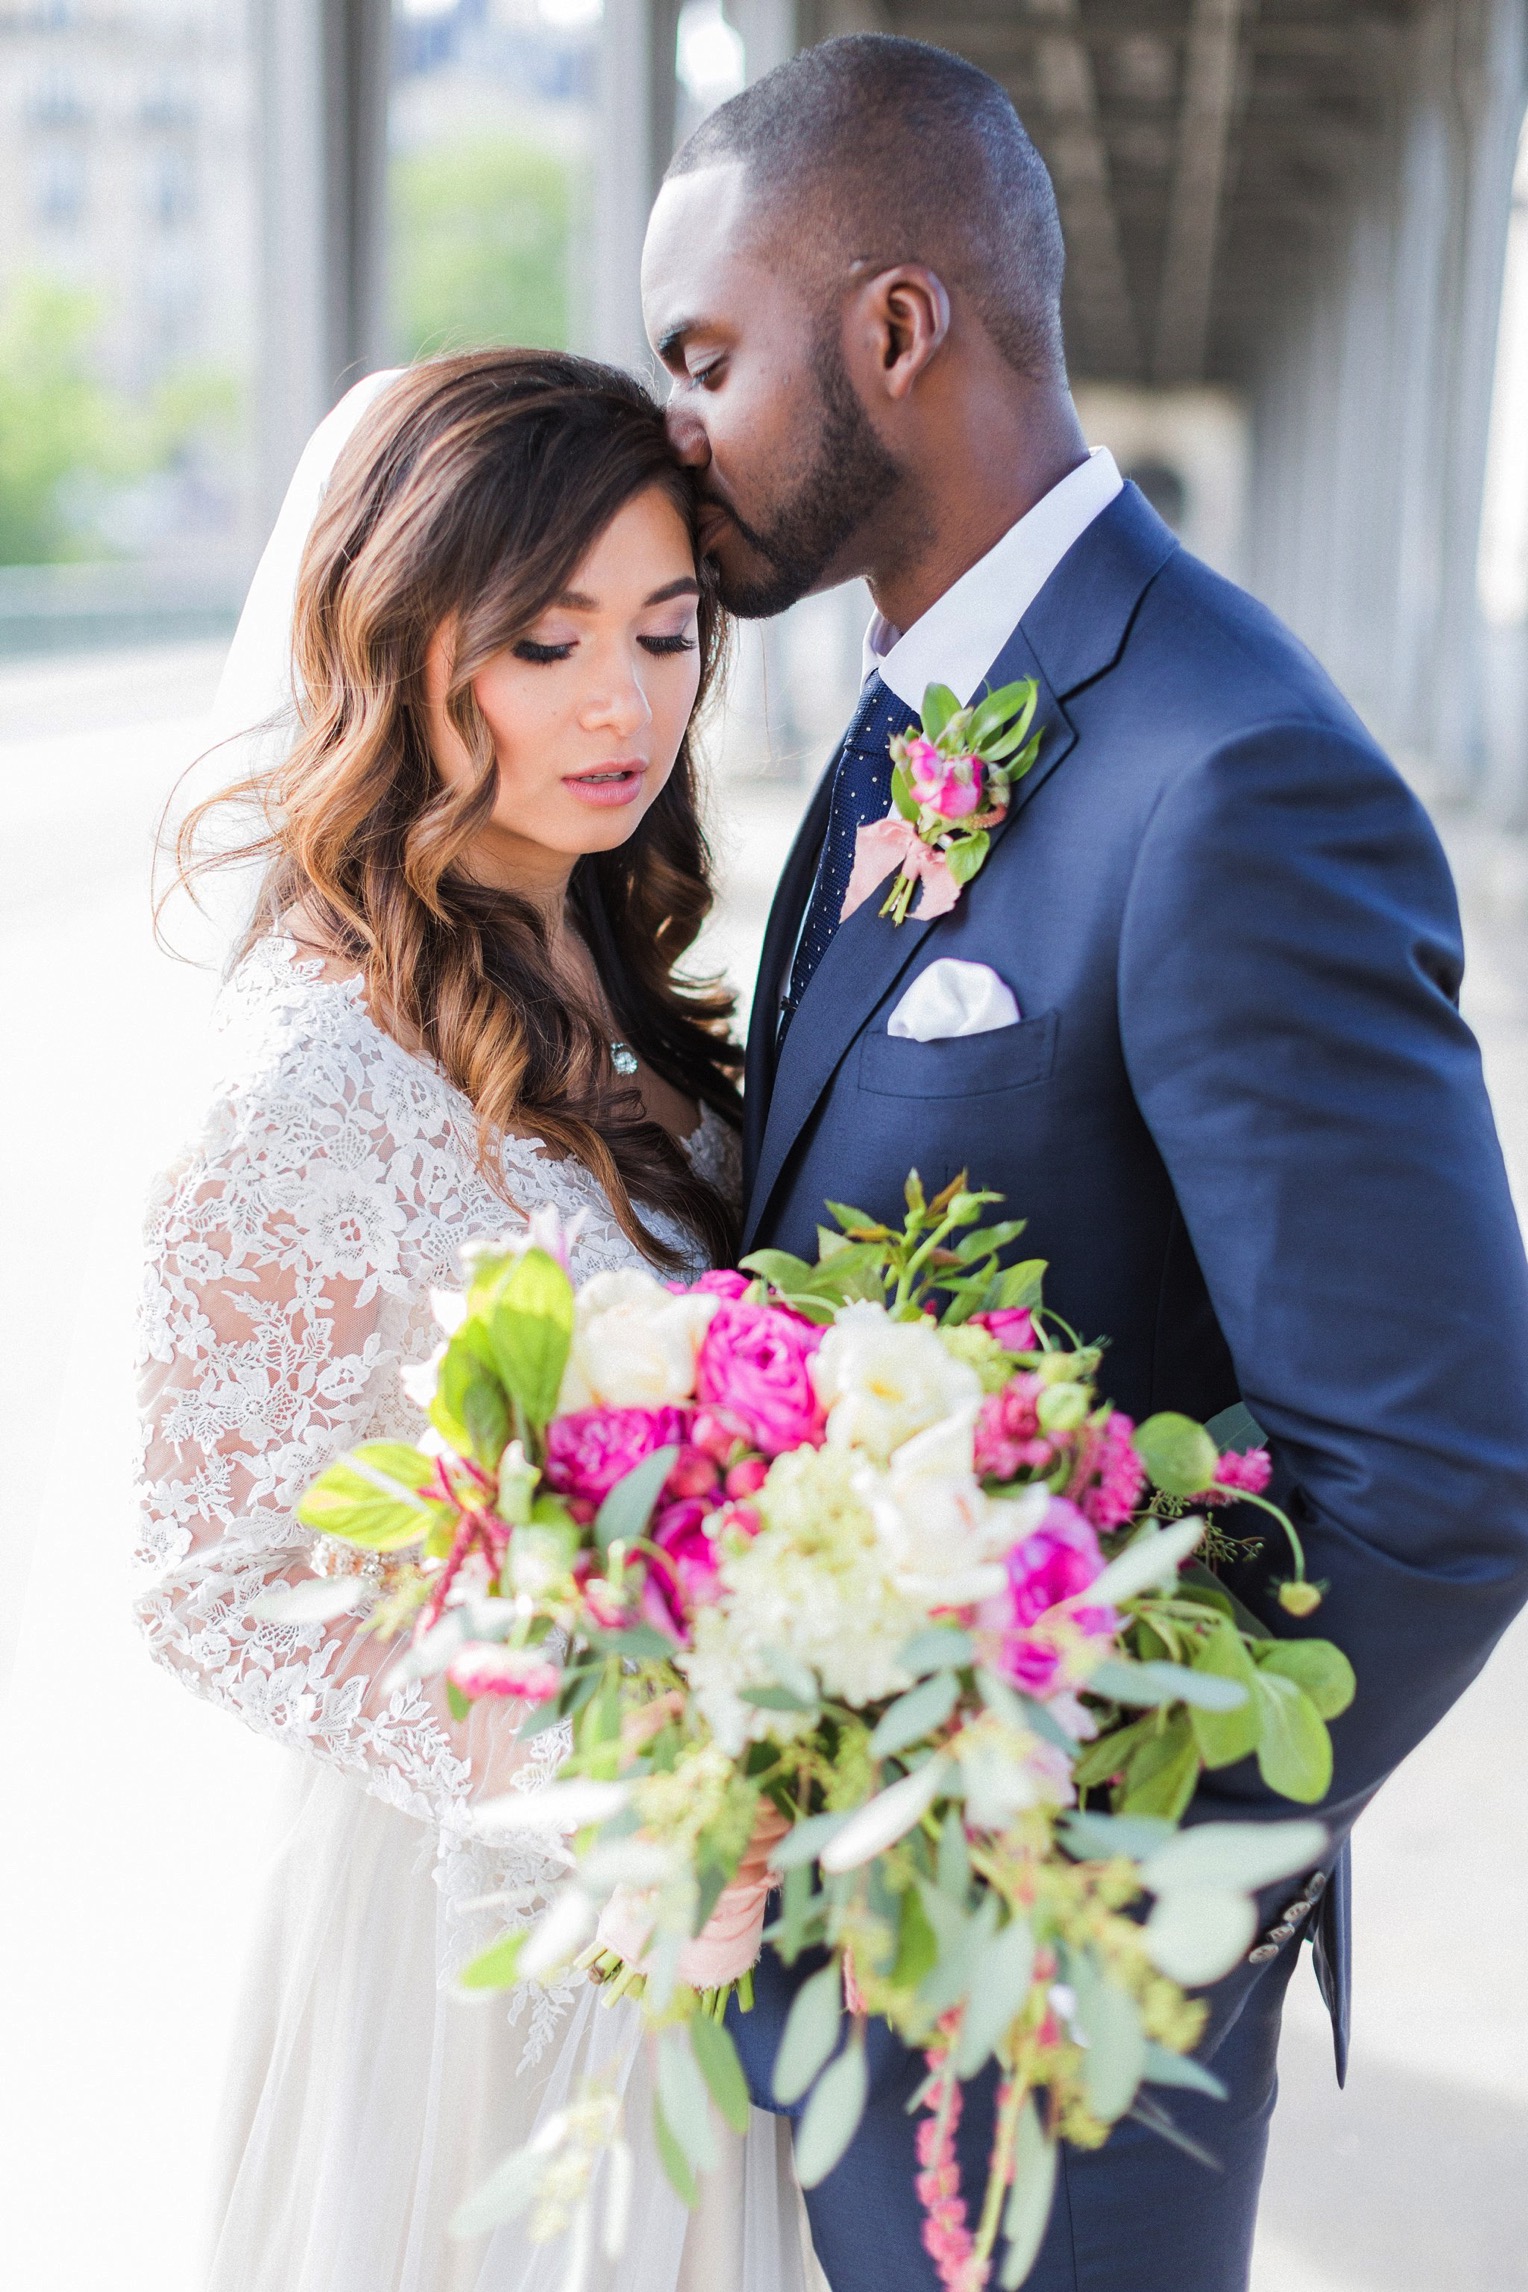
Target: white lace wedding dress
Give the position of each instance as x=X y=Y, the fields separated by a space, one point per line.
x=291 y=1257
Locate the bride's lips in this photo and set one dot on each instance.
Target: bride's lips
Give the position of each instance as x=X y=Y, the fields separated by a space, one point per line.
x=608 y=785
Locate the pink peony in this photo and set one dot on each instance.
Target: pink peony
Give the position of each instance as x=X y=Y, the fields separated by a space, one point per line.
x=1008 y=1439
x=754 y=1368
x=686 y=1577
x=724 y=1281
x=950 y=786
x=1115 y=1475
x=1055 y=1562
x=1012 y=1326
x=589 y=1451
x=521 y=1672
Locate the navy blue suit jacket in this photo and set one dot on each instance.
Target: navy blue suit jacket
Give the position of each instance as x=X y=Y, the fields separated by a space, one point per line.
x=1241 y=1111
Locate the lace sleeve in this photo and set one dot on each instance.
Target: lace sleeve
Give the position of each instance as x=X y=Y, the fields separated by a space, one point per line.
x=287 y=1283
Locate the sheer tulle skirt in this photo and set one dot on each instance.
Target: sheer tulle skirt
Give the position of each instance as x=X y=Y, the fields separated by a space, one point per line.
x=367 y=2099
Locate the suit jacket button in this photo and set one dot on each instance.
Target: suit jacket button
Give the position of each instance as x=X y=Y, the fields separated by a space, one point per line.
x=1279 y=1933
x=1261 y=1955
x=1315 y=1885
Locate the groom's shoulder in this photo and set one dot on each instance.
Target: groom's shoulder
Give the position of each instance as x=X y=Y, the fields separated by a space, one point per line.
x=1222 y=664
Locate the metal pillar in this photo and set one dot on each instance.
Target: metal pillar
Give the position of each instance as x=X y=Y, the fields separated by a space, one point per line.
x=637 y=99
x=323 y=163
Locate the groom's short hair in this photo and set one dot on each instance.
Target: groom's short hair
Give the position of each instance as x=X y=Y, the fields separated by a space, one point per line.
x=898 y=151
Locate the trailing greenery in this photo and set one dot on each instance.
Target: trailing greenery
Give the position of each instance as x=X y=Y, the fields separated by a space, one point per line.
x=480 y=247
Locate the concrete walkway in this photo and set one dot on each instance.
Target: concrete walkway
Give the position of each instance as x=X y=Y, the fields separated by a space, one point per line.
x=141 y=1816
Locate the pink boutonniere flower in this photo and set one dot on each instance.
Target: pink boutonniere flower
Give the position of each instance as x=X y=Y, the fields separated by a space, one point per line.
x=950 y=784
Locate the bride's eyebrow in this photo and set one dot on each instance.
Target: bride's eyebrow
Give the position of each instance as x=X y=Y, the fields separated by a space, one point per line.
x=575 y=600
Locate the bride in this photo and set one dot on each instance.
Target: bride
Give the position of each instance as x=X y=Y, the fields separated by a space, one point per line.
x=457 y=1006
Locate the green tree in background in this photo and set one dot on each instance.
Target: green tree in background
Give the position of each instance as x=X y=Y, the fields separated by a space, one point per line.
x=480 y=247
x=69 y=443
x=55 y=419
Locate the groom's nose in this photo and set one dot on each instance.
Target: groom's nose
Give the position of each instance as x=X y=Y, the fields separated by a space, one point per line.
x=687 y=434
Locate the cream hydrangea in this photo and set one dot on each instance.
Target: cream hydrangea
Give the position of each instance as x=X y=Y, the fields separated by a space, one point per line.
x=812 y=1591
x=634 y=1343
x=943 y=1535
x=881 y=1380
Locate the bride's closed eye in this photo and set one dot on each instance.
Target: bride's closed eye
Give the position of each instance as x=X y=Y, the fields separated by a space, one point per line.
x=527 y=648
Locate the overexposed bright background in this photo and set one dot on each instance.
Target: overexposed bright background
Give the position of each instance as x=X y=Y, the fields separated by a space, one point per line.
x=164 y=237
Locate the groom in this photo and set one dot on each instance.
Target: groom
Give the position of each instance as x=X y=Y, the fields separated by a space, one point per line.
x=1237 y=1103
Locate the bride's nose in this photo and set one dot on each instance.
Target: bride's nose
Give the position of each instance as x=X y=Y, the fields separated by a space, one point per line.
x=619 y=704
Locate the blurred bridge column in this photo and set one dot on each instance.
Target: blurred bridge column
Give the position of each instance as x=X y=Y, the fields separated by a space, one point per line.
x=323 y=159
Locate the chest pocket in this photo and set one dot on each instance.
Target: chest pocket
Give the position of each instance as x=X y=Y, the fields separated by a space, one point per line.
x=964 y=1066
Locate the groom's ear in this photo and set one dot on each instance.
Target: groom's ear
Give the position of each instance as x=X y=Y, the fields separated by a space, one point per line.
x=897 y=322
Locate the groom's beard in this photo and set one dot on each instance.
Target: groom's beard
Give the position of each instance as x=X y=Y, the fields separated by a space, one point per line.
x=847 y=479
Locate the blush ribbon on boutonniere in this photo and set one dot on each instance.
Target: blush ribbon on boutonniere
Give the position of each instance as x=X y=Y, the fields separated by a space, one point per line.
x=950 y=784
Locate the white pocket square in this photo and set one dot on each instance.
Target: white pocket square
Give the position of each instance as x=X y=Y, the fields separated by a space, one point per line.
x=953 y=998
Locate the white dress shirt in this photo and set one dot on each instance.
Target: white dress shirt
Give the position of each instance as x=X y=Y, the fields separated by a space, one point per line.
x=960 y=636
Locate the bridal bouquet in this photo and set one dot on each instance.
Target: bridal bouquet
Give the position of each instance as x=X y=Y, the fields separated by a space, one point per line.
x=845 y=1581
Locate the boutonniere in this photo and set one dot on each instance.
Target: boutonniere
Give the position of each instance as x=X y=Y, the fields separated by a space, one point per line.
x=950 y=785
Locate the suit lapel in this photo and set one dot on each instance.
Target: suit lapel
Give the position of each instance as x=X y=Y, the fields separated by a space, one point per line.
x=780 y=933
x=1073 y=632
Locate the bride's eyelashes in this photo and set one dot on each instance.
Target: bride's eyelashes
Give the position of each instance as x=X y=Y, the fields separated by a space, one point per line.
x=527 y=649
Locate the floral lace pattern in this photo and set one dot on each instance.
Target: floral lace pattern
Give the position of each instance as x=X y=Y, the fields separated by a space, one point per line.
x=290 y=1257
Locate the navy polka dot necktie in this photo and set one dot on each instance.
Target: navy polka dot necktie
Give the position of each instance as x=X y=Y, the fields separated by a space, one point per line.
x=861 y=794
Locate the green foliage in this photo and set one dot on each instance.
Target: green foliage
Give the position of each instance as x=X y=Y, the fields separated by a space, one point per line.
x=61 y=427
x=480 y=246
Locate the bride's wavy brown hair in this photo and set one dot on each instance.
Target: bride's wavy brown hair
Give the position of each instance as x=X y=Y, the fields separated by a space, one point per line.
x=469 y=493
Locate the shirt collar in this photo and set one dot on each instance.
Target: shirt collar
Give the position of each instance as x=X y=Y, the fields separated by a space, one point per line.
x=960 y=636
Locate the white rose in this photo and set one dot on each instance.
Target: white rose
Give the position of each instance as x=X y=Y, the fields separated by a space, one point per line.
x=945 y=1536
x=634 y=1343
x=881 y=1380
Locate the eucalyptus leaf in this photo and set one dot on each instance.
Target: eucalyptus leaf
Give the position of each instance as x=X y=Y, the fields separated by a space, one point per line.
x=1294 y=1750
x=1099 y=1837
x=1182 y=2070
x=773 y=1698
x=938 y=1648
x=673 y=2159
x=315 y=1599
x=498 y=1967
x=1179 y=1454
x=1321 y=1670
x=1115 y=2058
x=1029 y=2199
x=721 y=2069
x=811 y=2032
x=682 y=2091
x=1153 y=1557
x=1240 y=1855
x=804 y=1841
x=506 y=2193
x=881 y=1821
x=917 y=1948
x=628 y=1508
x=999 y=1987
x=832 y=2116
x=1197 y=1934
x=1158 y=1683
x=915 y=1714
